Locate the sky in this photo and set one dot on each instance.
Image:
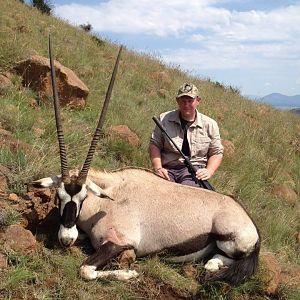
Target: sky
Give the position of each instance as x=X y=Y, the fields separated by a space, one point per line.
x=250 y=45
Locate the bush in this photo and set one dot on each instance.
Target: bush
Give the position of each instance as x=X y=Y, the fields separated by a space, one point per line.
x=86 y=27
x=43 y=5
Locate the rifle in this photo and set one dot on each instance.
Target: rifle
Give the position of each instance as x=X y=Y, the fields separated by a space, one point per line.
x=202 y=183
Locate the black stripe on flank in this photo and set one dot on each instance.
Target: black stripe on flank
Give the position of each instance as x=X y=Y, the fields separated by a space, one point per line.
x=197 y=243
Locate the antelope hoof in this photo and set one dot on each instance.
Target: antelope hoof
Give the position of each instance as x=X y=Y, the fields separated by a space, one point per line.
x=122 y=275
x=88 y=272
x=213 y=265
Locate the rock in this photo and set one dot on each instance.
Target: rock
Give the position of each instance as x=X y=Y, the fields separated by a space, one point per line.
x=5 y=81
x=40 y=209
x=16 y=238
x=290 y=276
x=13 y=197
x=124 y=133
x=36 y=75
x=285 y=192
x=271 y=273
x=228 y=147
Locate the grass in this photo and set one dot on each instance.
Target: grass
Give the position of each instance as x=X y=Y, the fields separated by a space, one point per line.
x=266 y=152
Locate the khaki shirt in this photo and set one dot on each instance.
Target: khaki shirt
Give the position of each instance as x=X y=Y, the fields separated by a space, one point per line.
x=203 y=138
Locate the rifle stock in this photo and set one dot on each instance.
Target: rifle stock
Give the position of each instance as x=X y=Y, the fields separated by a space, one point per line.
x=202 y=183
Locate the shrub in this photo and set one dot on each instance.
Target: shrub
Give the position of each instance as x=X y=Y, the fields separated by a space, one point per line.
x=86 y=27
x=43 y=5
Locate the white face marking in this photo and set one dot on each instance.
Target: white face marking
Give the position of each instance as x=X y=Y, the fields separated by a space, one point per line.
x=78 y=198
x=65 y=197
x=67 y=236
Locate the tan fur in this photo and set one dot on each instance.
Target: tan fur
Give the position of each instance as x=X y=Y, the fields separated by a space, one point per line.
x=151 y=213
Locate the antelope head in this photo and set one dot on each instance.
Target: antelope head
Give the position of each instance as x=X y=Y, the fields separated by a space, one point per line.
x=72 y=190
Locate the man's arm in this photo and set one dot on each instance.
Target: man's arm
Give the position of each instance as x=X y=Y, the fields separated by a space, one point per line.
x=213 y=164
x=155 y=158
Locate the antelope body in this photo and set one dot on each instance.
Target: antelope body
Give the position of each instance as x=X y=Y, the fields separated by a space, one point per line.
x=134 y=209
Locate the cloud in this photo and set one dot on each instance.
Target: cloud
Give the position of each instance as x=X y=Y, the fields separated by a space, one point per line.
x=179 y=17
x=205 y=36
x=137 y=16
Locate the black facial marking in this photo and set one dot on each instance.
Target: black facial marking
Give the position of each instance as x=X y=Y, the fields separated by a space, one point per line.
x=73 y=188
x=68 y=219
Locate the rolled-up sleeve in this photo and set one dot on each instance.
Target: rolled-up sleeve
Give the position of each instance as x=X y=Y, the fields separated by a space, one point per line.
x=215 y=147
x=157 y=137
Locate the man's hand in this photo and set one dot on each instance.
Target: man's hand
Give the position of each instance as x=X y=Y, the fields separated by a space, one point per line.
x=162 y=172
x=204 y=174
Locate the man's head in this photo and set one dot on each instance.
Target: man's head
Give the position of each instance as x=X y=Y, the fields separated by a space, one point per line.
x=188 y=100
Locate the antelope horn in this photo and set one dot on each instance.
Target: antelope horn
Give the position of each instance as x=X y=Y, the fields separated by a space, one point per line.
x=60 y=134
x=84 y=171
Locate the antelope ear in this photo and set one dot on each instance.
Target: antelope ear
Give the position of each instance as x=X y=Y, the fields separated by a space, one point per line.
x=52 y=181
x=95 y=189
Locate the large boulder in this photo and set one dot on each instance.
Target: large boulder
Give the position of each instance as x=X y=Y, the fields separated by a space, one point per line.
x=124 y=133
x=36 y=74
x=5 y=81
x=284 y=192
x=16 y=238
x=271 y=274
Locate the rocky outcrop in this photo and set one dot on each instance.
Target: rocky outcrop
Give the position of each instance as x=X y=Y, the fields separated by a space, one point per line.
x=284 y=192
x=18 y=239
x=124 y=133
x=5 y=81
x=271 y=273
x=36 y=75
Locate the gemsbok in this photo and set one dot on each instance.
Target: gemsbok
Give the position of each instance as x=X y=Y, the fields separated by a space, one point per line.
x=134 y=209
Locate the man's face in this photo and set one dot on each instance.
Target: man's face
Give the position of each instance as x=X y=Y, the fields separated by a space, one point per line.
x=187 y=106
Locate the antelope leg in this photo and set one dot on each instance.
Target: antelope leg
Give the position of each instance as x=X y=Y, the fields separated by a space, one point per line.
x=109 y=250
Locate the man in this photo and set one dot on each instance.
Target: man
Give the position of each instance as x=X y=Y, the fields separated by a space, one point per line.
x=194 y=133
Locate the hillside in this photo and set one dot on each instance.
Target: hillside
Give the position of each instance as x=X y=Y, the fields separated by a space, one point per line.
x=261 y=170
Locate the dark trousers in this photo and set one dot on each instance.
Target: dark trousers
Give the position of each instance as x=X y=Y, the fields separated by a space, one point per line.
x=180 y=174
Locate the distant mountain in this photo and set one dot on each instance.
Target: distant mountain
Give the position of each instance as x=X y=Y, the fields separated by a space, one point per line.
x=279 y=100
x=295 y=111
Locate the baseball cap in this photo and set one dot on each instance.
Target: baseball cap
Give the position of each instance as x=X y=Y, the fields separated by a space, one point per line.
x=187 y=89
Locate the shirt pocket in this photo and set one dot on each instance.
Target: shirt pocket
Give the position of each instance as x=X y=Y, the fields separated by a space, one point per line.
x=202 y=146
x=169 y=147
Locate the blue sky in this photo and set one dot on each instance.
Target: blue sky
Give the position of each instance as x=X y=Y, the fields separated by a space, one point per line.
x=250 y=45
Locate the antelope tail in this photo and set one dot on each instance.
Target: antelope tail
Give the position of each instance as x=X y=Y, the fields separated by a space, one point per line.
x=240 y=270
